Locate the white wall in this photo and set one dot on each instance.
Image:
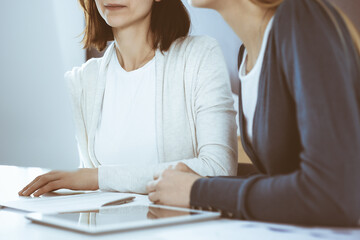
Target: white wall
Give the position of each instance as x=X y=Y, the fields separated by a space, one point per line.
x=209 y=22
x=39 y=43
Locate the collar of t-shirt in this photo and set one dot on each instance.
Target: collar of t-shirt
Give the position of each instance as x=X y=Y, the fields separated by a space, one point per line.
x=250 y=83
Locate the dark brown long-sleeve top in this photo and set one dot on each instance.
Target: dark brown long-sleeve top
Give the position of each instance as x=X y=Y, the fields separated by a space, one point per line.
x=306 y=135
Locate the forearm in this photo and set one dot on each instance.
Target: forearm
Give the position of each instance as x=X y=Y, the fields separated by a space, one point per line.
x=133 y=178
x=292 y=199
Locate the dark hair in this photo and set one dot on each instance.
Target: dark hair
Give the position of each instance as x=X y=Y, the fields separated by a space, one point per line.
x=169 y=21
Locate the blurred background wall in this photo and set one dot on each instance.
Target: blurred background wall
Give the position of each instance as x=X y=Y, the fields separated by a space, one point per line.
x=38 y=43
x=209 y=22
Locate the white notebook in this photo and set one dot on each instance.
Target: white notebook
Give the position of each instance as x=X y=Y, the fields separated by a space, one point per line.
x=52 y=203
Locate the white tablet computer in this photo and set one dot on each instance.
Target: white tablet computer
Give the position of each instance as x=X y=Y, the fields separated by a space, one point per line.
x=122 y=218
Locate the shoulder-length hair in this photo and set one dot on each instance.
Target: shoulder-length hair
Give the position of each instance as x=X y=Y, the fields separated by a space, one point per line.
x=169 y=21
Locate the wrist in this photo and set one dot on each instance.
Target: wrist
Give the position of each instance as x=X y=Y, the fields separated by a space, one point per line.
x=96 y=178
x=89 y=178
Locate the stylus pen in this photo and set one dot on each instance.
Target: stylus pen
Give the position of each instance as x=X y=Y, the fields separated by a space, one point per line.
x=119 y=202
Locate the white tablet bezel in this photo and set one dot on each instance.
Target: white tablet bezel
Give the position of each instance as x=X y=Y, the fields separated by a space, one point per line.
x=119 y=227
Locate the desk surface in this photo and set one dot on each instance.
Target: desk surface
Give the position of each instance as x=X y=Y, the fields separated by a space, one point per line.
x=15 y=226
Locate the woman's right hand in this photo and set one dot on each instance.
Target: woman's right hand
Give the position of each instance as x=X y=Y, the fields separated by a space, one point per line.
x=82 y=179
x=173 y=186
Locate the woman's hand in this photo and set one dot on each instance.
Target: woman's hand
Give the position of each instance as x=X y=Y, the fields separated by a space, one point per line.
x=173 y=186
x=82 y=179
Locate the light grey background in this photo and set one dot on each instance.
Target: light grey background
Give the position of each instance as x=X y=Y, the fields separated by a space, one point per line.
x=209 y=22
x=39 y=43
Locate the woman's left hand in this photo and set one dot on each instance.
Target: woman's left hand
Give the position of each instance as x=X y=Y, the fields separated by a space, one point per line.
x=82 y=179
x=172 y=187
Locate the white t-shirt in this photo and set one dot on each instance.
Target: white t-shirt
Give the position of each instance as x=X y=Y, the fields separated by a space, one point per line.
x=250 y=83
x=126 y=133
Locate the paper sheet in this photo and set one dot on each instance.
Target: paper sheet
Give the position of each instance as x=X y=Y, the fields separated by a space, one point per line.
x=68 y=202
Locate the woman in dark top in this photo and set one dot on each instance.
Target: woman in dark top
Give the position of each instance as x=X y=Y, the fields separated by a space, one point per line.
x=306 y=125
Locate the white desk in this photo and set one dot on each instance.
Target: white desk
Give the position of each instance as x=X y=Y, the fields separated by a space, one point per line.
x=13 y=225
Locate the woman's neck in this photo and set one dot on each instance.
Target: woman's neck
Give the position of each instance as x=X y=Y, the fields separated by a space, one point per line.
x=249 y=22
x=134 y=45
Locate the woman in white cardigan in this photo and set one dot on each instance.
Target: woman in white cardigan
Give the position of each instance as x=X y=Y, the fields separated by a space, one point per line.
x=156 y=98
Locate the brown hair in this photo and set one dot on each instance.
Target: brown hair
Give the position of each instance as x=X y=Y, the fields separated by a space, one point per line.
x=169 y=21
x=351 y=28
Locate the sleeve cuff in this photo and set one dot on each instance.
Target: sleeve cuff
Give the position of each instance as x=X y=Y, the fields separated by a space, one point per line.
x=217 y=194
x=103 y=175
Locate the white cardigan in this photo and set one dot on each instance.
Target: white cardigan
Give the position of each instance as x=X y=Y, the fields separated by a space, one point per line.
x=195 y=117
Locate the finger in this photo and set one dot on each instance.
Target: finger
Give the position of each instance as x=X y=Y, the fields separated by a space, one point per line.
x=157 y=175
x=31 y=183
x=51 y=186
x=35 y=180
x=160 y=172
x=151 y=186
x=154 y=197
x=182 y=167
x=43 y=180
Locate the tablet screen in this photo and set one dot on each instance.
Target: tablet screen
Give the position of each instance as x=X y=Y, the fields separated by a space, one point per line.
x=124 y=214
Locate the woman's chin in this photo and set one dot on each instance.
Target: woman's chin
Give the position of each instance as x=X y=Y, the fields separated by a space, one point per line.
x=200 y=3
x=117 y=23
